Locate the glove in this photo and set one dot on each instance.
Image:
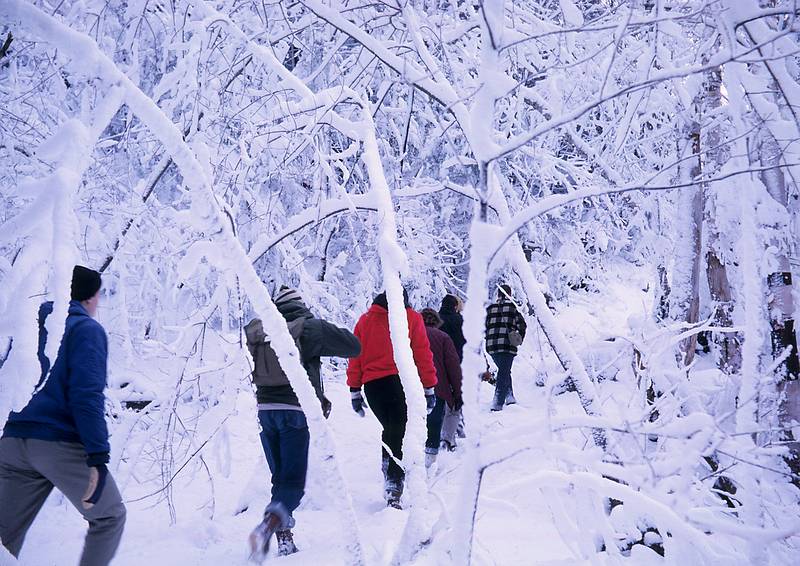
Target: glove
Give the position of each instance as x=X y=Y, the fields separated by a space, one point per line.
x=358 y=401
x=97 y=481
x=458 y=402
x=430 y=399
x=326 y=407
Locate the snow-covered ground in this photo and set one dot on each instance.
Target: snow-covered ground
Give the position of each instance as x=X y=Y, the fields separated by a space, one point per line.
x=518 y=521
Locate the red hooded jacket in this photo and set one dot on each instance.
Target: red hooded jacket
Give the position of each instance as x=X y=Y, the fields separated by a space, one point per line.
x=377 y=355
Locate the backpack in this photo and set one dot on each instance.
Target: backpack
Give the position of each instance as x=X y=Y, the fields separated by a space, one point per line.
x=267 y=370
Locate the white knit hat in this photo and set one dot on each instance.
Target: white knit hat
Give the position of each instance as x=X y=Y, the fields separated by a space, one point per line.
x=287 y=294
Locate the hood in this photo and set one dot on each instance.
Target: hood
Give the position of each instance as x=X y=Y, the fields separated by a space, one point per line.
x=293 y=310
x=383 y=302
x=449 y=303
x=76 y=308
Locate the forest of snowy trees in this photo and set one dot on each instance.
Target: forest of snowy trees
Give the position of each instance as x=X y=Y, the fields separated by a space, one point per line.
x=629 y=167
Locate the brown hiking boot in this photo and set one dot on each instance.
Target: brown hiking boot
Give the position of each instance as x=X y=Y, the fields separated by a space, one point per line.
x=261 y=535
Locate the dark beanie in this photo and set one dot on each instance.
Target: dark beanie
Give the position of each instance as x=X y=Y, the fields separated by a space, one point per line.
x=85 y=283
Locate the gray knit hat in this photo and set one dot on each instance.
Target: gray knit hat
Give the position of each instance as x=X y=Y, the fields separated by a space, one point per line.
x=287 y=294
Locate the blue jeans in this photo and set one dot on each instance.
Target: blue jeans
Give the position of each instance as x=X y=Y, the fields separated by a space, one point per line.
x=435 y=420
x=285 y=438
x=503 y=361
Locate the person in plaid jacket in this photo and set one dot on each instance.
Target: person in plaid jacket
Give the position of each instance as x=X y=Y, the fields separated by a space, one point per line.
x=502 y=318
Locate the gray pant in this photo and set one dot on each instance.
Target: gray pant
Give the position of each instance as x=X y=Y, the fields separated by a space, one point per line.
x=29 y=469
x=450 y=424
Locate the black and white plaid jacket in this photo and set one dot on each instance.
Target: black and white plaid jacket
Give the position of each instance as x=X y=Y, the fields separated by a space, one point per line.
x=501 y=318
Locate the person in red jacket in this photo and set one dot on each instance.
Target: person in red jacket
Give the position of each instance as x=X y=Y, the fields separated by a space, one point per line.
x=375 y=369
x=448 y=385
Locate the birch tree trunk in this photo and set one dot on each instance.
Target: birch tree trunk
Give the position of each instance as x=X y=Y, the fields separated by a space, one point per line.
x=780 y=302
x=686 y=279
x=728 y=345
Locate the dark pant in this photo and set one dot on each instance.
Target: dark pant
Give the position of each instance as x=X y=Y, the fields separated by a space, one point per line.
x=435 y=420
x=387 y=400
x=503 y=361
x=29 y=469
x=284 y=436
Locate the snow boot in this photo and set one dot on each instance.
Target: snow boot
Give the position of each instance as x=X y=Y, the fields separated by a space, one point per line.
x=430 y=459
x=393 y=499
x=261 y=535
x=286 y=544
x=510 y=400
x=446 y=445
x=392 y=492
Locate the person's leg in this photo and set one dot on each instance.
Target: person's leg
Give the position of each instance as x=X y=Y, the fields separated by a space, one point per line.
x=450 y=427
x=379 y=397
x=503 y=362
x=23 y=491
x=388 y=402
x=270 y=443
x=294 y=441
x=395 y=432
x=435 y=421
x=64 y=464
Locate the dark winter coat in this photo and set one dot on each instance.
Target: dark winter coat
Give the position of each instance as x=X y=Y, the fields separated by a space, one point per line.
x=501 y=318
x=70 y=407
x=448 y=366
x=318 y=338
x=453 y=326
x=377 y=355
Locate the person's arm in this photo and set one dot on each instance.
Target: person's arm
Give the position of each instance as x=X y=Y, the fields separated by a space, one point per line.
x=522 y=326
x=354 y=363
x=462 y=341
x=421 y=348
x=87 y=358
x=452 y=365
x=338 y=342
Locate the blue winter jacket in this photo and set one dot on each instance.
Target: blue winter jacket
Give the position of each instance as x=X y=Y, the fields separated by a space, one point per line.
x=70 y=406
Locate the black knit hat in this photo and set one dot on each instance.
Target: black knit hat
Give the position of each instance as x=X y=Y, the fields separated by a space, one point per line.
x=85 y=283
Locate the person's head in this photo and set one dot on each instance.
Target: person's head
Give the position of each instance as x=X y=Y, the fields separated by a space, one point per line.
x=504 y=292
x=382 y=301
x=85 y=288
x=286 y=295
x=450 y=303
x=431 y=318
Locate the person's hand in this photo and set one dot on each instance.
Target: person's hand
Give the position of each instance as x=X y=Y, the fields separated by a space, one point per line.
x=359 y=404
x=97 y=481
x=458 y=402
x=430 y=399
x=326 y=407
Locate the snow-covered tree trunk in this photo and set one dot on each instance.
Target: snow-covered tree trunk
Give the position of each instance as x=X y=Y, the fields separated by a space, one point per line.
x=685 y=286
x=780 y=301
x=727 y=347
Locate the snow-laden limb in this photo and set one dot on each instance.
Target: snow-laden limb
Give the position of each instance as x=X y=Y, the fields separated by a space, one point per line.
x=394 y=264
x=46 y=263
x=473 y=365
x=717 y=60
x=227 y=253
x=572 y=364
x=350 y=203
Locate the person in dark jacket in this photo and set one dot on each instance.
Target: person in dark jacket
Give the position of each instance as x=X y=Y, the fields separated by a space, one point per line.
x=284 y=430
x=60 y=438
x=453 y=326
x=375 y=369
x=448 y=384
x=503 y=319
x=453 y=322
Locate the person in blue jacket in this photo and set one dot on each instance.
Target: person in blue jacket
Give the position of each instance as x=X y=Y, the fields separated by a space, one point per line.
x=60 y=439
